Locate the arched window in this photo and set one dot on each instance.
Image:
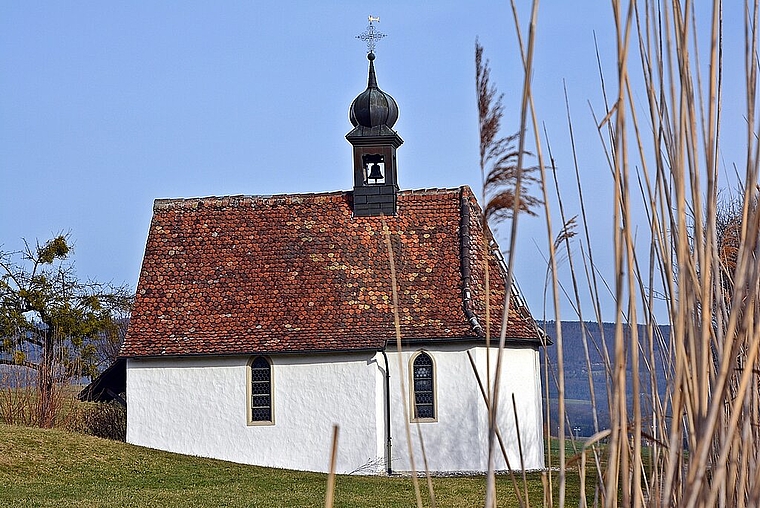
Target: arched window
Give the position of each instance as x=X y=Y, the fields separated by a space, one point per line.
x=261 y=391
x=423 y=387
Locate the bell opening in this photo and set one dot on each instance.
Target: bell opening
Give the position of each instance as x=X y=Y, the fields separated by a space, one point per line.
x=374 y=169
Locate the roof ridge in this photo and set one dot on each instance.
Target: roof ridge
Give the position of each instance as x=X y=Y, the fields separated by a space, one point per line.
x=434 y=190
x=237 y=199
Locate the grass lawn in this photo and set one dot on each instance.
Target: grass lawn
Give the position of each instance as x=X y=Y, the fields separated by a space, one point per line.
x=61 y=469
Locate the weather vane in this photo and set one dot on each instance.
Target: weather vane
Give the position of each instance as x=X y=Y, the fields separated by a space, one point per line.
x=370 y=35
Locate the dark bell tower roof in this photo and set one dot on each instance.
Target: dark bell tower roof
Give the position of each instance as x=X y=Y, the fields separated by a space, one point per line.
x=373 y=112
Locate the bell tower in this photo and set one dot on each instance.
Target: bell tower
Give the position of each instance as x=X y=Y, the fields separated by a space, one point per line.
x=373 y=114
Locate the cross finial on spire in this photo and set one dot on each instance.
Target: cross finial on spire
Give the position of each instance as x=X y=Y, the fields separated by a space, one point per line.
x=370 y=35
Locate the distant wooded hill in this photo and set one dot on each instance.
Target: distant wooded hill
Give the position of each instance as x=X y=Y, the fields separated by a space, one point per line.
x=577 y=392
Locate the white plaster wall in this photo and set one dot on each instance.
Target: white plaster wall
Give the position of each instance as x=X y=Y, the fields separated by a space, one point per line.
x=198 y=407
x=520 y=378
x=451 y=442
x=458 y=439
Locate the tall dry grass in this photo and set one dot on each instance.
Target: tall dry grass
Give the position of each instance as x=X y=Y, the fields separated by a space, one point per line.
x=22 y=401
x=698 y=444
x=695 y=441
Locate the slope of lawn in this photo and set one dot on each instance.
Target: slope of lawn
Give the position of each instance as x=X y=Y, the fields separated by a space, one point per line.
x=61 y=469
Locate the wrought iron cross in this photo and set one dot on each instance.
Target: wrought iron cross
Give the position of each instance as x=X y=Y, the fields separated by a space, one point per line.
x=370 y=35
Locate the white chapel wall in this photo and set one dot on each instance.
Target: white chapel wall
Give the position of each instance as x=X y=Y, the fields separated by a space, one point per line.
x=198 y=407
x=520 y=378
x=451 y=441
x=458 y=439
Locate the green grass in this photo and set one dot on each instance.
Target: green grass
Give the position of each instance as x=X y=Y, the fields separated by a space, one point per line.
x=62 y=469
x=572 y=447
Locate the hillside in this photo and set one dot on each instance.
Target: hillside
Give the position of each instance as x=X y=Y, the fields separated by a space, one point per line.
x=577 y=391
x=53 y=468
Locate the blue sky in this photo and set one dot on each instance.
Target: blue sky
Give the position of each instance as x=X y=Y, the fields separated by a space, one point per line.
x=106 y=106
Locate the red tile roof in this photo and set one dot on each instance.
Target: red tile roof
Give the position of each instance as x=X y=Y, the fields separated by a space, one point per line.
x=298 y=273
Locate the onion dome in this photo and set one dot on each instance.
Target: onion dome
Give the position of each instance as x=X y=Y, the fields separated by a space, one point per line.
x=373 y=114
x=373 y=109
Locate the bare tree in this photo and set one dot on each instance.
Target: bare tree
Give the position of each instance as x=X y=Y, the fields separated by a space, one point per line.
x=50 y=321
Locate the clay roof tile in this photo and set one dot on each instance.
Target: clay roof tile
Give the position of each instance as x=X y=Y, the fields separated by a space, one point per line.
x=299 y=273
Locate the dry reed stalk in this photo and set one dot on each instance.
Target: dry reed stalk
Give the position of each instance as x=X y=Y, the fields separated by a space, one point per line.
x=547 y=478
x=498 y=434
x=490 y=500
x=708 y=336
x=330 y=494
x=402 y=387
x=502 y=178
x=703 y=434
x=428 y=478
x=528 y=107
x=564 y=237
x=567 y=238
x=520 y=448
x=592 y=285
x=703 y=437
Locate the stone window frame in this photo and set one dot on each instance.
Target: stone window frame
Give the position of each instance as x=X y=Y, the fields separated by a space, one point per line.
x=412 y=389
x=249 y=391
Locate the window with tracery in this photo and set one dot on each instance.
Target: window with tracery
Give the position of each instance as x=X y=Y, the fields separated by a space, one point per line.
x=261 y=390
x=423 y=389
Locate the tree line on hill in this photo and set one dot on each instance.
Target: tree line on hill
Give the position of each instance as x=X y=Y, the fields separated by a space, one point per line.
x=578 y=396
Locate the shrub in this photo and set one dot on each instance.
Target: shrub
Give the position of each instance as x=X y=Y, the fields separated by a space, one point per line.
x=101 y=419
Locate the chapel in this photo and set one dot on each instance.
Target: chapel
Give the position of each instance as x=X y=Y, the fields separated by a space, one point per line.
x=262 y=321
